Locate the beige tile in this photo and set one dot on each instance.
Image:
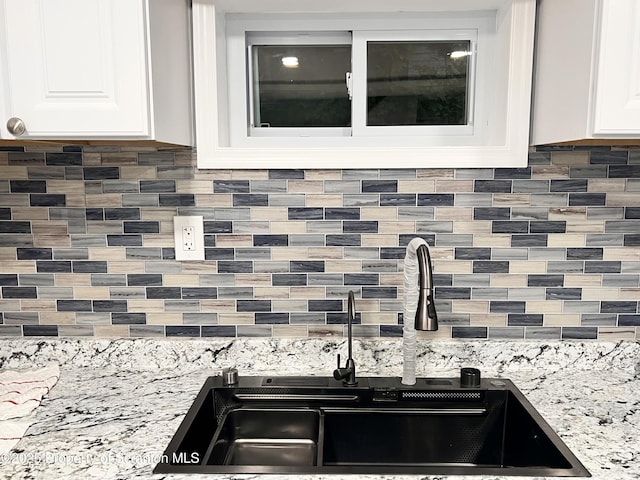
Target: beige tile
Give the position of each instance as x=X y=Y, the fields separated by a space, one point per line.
x=65 y=186
x=289 y=305
x=570 y=158
x=365 y=305
x=234 y=241
x=510 y=199
x=539 y=172
x=290 y=331
x=495 y=241
x=324 y=200
x=470 y=306
x=621 y=253
x=75 y=200
x=159 y=240
x=606 y=185
x=320 y=174
x=454 y=186
x=582 y=280
x=454 y=266
x=325 y=330
x=253 y=279
x=135 y=172
x=488 y=319
x=220 y=305
x=524 y=266
x=279 y=214
x=629 y=294
x=10 y=305
x=91 y=159
x=291 y=253
x=326 y=253
x=584 y=226
x=574 y=240
x=120 y=158
x=215 y=200
x=30 y=213
x=291 y=227
x=544 y=306
x=442 y=253
x=614 y=334
x=305 y=186
x=127 y=266
x=57 y=318
x=392 y=279
x=478 y=227
x=308 y=292
x=236 y=319
x=72 y=279
x=157 y=214
x=180 y=280
x=20 y=266
x=59 y=241
x=392 y=227
x=14 y=172
x=568 y=213
x=14 y=199
x=202 y=174
x=379 y=213
x=146 y=306
x=597 y=294
x=104 y=200
x=193 y=267
x=107 y=253
x=91 y=293
x=623 y=199
x=379 y=318
x=507 y=280
x=250 y=174
x=437 y=173
x=194 y=186
x=111 y=331
x=461 y=214
x=50 y=228
x=48 y=306
x=442 y=334
x=164 y=318
x=416 y=186
x=8 y=253
x=561 y=320
x=378 y=240
x=339 y=266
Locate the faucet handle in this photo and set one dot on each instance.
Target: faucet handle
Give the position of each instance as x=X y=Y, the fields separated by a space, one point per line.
x=338 y=360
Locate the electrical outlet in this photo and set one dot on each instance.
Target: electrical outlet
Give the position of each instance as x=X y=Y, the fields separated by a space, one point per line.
x=188 y=233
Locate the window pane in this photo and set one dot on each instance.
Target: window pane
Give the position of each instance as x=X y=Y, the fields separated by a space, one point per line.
x=301 y=86
x=417 y=83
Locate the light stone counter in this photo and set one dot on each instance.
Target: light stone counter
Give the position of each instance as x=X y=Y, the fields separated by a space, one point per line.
x=119 y=402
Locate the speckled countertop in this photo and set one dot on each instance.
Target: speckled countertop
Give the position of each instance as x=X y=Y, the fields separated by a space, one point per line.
x=119 y=402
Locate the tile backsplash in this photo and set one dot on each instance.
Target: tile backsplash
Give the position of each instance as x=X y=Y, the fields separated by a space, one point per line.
x=550 y=251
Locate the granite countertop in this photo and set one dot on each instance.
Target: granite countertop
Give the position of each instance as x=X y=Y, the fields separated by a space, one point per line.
x=119 y=402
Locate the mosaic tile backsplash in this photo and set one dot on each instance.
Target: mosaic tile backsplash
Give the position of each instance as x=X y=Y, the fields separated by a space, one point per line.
x=551 y=251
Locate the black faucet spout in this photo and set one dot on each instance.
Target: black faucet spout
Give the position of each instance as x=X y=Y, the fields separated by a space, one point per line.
x=348 y=373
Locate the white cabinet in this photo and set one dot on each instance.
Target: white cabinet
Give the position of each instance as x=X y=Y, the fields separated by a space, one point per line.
x=587 y=71
x=95 y=69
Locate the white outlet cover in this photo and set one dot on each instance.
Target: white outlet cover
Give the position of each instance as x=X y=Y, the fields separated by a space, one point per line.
x=197 y=222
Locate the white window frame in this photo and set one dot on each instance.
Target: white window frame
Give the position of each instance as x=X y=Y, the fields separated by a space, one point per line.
x=505 y=144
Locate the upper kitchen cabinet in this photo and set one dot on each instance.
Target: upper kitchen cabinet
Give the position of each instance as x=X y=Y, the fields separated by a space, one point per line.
x=362 y=83
x=95 y=70
x=587 y=71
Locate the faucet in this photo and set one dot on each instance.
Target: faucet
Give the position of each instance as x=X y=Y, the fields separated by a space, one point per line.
x=419 y=314
x=348 y=373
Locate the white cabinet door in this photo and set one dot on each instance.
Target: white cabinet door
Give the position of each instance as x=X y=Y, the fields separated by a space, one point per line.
x=75 y=68
x=587 y=72
x=617 y=100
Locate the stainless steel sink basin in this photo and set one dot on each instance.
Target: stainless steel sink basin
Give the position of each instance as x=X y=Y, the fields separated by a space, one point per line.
x=316 y=425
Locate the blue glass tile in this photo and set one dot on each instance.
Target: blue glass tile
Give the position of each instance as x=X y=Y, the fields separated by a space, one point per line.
x=491 y=213
x=250 y=200
x=334 y=318
x=176 y=200
x=361 y=279
x=65 y=158
x=199 y=292
x=40 y=330
x=499 y=226
x=524 y=319
x=379 y=292
x=324 y=305
x=182 y=330
x=271 y=318
x=8 y=279
x=352 y=240
x=548 y=227
x=512 y=173
x=534 y=240
x=391 y=331
x=109 y=305
x=579 y=333
x=555 y=293
x=218 y=227
x=436 y=199
x=612 y=158
x=28 y=186
x=15 y=227
x=585 y=253
x=534 y=280
x=602 y=267
x=270 y=240
x=570 y=185
x=219 y=331
x=492 y=186
x=460 y=293
x=157 y=186
x=469 y=332
x=88 y=266
x=482 y=266
x=297 y=174
x=499 y=306
x=101 y=173
x=386 y=186
x=219 y=254
x=74 y=306
x=464 y=253
x=163 y=293
x=141 y=227
x=342 y=213
x=231 y=186
x=582 y=199
x=629 y=320
x=306 y=266
x=618 y=306
x=288 y=279
x=31 y=253
x=47 y=200
x=235 y=266
x=19 y=292
x=397 y=199
x=127 y=318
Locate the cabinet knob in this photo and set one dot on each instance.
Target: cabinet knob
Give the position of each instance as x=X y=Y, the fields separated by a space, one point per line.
x=16 y=126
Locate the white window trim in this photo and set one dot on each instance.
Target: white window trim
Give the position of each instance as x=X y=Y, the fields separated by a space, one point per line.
x=507 y=145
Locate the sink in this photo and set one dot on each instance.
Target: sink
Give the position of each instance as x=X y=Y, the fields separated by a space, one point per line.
x=316 y=425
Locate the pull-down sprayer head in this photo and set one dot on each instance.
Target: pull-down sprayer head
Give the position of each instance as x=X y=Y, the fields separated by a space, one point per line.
x=426 y=317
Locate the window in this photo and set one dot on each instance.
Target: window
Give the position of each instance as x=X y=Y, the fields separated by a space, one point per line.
x=295 y=84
